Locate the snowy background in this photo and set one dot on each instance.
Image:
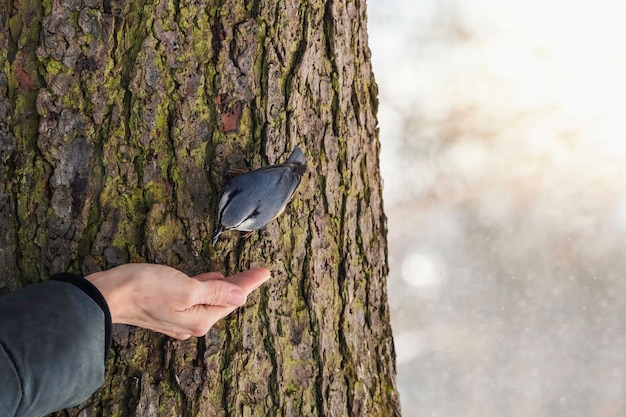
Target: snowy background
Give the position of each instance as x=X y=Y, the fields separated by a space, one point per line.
x=503 y=131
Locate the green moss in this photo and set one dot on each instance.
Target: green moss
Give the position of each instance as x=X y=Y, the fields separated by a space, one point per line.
x=186 y=17
x=171 y=398
x=155 y=192
x=15 y=26
x=291 y=388
x=198 y=155
x=214 y=10
x=241 y=10
x=53 y=67
x=47 y=6
x=140 y=355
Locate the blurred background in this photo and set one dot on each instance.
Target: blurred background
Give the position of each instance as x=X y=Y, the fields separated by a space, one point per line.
x=503 y=131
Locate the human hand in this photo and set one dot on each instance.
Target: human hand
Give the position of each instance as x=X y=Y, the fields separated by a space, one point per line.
x=166 y=300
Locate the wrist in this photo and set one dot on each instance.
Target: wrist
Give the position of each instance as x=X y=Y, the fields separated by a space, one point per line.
x=115 y=289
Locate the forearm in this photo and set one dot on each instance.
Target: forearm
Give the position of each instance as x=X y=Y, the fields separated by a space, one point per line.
x=53 y=341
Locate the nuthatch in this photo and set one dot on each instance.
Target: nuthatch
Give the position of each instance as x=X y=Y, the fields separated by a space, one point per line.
x=255 y=198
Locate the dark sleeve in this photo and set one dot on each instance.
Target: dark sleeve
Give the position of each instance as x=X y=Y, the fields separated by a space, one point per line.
x=54 y=337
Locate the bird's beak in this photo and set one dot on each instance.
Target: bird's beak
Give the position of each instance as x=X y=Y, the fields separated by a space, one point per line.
x=217 y=234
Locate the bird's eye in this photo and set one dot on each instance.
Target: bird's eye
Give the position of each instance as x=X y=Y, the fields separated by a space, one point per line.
x=234 y=193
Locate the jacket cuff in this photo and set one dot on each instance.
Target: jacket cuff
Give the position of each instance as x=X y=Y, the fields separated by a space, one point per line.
x=88 y=288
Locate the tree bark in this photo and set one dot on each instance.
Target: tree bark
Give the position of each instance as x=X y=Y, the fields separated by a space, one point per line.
x=119 y=122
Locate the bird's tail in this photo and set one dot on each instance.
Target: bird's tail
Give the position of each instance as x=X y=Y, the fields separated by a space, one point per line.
x=296 y=157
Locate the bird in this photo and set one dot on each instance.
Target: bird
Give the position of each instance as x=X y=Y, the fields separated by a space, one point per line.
x=255 y=198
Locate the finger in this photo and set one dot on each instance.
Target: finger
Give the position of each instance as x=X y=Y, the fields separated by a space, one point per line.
x=208 y=276
x=218 y=292
x=203 y=317
x=250 y=280
x=214 y=299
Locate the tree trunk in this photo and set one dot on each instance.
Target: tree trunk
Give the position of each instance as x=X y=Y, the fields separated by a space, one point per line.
x=119 y=122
